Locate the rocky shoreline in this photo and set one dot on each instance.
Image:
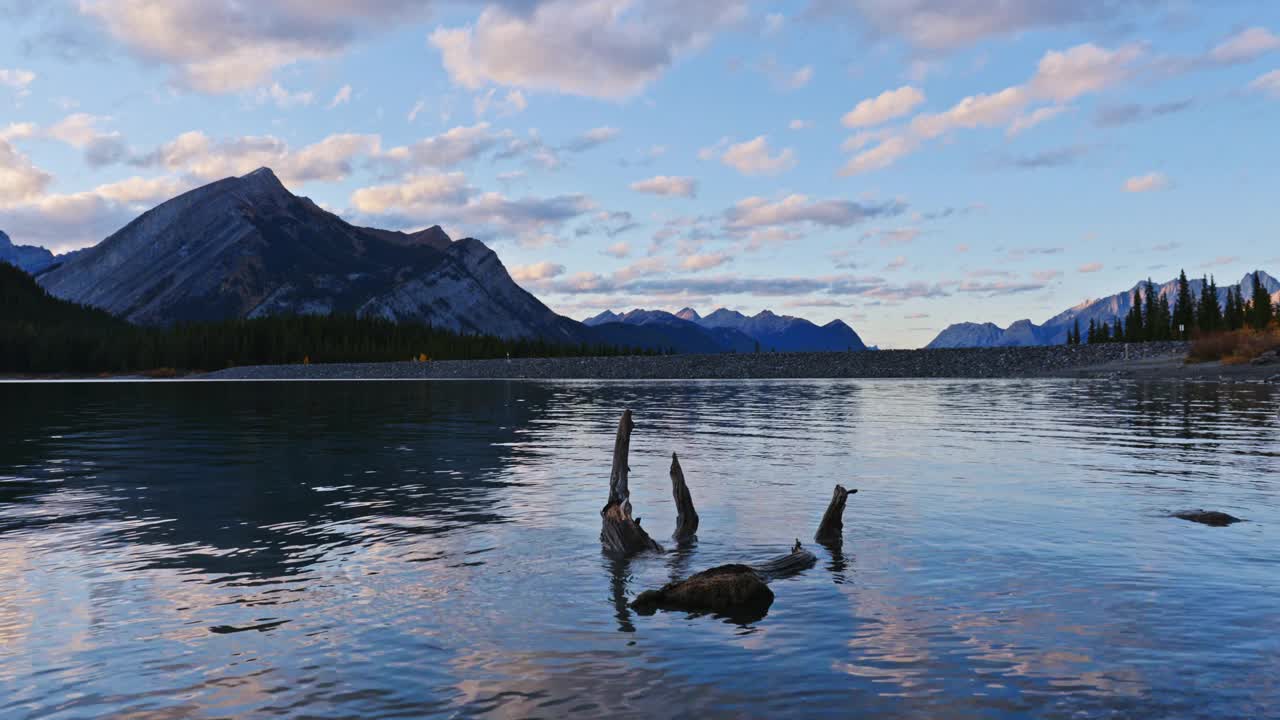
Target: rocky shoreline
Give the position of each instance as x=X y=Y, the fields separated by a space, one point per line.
x=1146 y=360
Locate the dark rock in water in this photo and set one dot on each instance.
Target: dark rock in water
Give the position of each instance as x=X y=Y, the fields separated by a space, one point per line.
x=1208 y=517
x=733 y=590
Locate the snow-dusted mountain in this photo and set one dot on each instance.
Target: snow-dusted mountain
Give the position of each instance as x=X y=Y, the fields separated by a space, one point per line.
x=738 y=332
x=1107 y=309
x=247 y=247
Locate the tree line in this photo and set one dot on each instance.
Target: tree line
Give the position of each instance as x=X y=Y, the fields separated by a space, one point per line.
x=43 y=334
x=1152 y=317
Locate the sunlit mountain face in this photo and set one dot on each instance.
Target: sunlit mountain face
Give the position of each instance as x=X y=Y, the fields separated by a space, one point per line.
x=897 y=166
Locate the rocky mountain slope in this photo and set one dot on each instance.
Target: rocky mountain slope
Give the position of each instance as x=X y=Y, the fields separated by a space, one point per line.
x=1054 y=330
x=247 y=247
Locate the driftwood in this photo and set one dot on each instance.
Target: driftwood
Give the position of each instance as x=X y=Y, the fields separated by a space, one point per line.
x=686 y=516
x=737 y=591
x=619 y=532
x=794 y=562
x=831 y=529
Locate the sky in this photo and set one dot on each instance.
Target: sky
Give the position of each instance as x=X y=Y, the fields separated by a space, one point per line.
x=897 y=164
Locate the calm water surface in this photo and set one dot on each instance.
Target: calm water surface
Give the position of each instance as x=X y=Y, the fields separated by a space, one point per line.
x=411 y=549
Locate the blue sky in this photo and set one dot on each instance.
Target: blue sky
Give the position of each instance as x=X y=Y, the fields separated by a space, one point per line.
x=899 y=164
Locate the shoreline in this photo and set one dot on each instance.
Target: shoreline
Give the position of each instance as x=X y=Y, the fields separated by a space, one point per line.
x=1142 y=361
x=1150 y=361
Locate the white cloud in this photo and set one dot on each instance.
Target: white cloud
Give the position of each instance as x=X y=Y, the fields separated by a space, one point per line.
x=704 y=261
x=511 y=103
x=800 y=124
x=1246 y=45
x=618 y=250
x=449 y=200
x=1150 y=182
x=18 y=80
x=1063 y=76
x=800 y=78
x=196 y=154
x=754 y=157
x=19 y=131
x=20 y=180
x=897 y=263
x=666 y=185
x=884 y=154
x=342 y=97
x=448 y=149
x=592 y=138
x=1060 y=77
x=418 y=107
x=884 y=107
x=536 y=272
x=283 y=98
x=951 y=24
x=595 y=48
x=1028 y=120
x=1268 y=84
x=220 y=47
x=757 y=212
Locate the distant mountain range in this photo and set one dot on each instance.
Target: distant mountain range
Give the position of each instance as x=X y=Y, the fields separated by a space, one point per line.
x=246 y=247
x=729 y=331
x=1054 y=330
x=26 y=257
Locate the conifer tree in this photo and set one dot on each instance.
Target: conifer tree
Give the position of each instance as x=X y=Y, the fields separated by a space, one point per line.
x=1183 y=309
x=1092 y=338
x=1259 y=305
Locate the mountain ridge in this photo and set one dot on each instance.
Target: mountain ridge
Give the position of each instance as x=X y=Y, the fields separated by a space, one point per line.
x=1054 y=330
x=765 y=330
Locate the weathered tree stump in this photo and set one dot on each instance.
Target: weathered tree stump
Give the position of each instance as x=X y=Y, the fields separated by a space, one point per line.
x=737 y=591
x=1212 y=518
x=686 y=516
x=619 y=532
x=831 y=529
x=793 y=563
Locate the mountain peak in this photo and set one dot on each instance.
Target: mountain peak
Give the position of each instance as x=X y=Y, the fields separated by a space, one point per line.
x=689 y=314
x=263 y=182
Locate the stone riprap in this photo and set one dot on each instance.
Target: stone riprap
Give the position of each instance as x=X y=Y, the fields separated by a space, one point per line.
x=1011 y=362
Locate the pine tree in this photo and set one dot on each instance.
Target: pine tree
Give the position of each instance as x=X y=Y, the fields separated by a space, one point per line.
x=1259 y=305
x=1133 y=323
x=1092 y=338
x=1150 y=313
x=1183 y=309
x=1209 y=316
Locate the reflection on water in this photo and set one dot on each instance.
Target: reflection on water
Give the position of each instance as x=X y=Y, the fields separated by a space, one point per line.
x=410 y=549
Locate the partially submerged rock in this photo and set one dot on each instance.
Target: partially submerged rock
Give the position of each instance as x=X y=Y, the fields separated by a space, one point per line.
x=732 y=590
x=1208 y=517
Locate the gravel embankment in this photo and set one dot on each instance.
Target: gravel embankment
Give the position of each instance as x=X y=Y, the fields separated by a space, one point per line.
x=1056 y=361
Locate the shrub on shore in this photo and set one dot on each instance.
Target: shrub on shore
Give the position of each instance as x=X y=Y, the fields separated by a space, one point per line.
x=1234 y=347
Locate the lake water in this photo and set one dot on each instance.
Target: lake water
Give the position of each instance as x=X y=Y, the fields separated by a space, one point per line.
x=372 y=550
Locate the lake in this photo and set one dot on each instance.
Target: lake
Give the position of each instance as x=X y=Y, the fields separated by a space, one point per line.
x=384 y=549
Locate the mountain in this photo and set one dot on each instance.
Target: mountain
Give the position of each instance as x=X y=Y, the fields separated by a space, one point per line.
x=246 y=247
x=1107 y=309
x=736 y=332
x=786 y=333
x=968 y=334
x=26 y=257
x=662 y=330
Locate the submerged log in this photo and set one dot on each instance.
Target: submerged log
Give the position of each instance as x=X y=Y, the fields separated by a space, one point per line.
x=793 y=563
x=831 y=529
x=619 y=532
x=1212 y=518
x=736 y=591
x=686 y=516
